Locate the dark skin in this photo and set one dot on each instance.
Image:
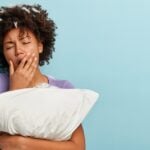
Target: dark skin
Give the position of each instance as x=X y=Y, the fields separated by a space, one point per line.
x=9 y=142
x=22 y=55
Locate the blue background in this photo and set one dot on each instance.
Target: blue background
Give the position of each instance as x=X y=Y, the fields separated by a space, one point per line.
x=104 y=45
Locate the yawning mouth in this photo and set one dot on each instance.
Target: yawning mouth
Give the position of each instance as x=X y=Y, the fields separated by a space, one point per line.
x=18 y=62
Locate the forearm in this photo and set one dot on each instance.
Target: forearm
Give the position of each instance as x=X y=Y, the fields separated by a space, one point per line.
x=77 y=142
x=32 y=144
x=11 y=142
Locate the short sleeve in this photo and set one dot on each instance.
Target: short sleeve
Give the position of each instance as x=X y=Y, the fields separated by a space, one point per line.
x=60 y=83
x=3 y=82
x=68 y=85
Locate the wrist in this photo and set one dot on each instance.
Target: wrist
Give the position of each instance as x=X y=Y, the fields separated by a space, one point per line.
x=21 y=142
x=17 y=142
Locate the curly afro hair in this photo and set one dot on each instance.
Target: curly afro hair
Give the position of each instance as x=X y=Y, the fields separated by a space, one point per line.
x=33 y=18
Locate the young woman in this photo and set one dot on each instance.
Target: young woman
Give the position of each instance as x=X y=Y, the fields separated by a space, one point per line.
x=27 y=39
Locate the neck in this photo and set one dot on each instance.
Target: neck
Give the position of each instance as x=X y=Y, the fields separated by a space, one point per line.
x=38 y=79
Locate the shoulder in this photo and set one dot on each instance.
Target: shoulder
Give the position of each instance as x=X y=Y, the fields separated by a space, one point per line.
x=60 y=83
x=3 y=82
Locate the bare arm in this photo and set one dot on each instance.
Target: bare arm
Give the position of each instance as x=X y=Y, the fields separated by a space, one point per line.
x=77 y=142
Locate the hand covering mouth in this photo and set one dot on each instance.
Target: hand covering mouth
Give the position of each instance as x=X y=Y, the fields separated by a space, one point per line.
x=19 y=59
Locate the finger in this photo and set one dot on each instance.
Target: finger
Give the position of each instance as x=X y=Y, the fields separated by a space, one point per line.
x=11 y=68
x=29 y=62
x=23 y=62
x=33 y=66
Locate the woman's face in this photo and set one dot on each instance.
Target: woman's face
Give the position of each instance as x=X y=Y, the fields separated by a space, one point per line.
x=16 y=46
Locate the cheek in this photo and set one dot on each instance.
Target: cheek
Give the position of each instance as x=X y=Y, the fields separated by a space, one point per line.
x=31 y=49
x=9 y=56
x=35 y=50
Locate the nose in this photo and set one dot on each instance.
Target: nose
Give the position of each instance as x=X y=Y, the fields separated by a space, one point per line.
x=18 y=49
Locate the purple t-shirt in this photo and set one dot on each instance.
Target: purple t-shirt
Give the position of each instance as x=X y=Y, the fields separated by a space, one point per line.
x=4 y=83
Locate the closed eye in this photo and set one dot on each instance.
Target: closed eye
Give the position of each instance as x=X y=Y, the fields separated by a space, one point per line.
x=7 y=48
x=26 y=42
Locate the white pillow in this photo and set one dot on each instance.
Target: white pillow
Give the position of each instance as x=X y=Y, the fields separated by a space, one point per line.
x=47 y=113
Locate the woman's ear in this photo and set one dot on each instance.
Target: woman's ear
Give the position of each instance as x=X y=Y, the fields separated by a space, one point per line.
x=40 y=47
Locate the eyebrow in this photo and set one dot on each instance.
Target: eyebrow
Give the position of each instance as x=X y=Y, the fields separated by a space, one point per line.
x=23 y=37
x=20 y=38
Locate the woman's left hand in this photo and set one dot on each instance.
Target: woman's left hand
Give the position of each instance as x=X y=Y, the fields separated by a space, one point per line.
x=9 y=142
